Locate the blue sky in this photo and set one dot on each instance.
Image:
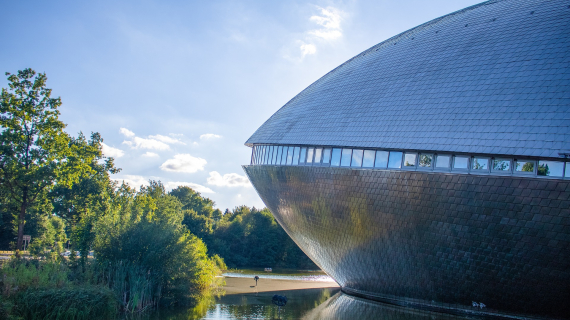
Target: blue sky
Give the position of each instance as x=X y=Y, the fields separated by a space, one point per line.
x=176 y=87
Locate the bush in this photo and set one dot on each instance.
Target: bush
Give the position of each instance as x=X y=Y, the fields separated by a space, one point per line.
x=77 y=303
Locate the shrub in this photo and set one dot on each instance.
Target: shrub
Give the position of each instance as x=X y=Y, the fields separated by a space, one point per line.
x=77 y=303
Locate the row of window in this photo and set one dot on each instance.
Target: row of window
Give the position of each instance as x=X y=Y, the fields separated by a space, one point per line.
x=381 y=159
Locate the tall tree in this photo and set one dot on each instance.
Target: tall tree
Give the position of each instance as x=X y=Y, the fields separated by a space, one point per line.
x=35 y=152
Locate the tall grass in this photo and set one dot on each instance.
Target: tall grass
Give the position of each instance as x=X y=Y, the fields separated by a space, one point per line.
x=135 y=287
x=68 y=303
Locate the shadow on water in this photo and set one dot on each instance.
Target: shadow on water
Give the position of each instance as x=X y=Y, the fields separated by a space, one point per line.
x=307 y=304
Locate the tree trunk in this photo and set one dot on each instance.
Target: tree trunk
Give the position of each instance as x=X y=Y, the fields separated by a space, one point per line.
x=21 y=219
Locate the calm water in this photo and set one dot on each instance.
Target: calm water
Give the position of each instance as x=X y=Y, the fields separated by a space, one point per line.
x=309 y=304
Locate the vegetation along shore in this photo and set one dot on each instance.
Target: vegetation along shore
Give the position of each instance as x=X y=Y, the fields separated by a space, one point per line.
x=150 y=248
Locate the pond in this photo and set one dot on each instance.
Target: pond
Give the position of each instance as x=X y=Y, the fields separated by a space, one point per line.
x=318 y=298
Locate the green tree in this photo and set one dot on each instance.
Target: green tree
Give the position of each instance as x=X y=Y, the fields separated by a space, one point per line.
x=35 y=152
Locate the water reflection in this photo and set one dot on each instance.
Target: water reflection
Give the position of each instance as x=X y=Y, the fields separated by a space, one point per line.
x=342 y=306
x=306 y=304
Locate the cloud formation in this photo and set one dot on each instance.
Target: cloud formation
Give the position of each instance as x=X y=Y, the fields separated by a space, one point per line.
x=166 y=139
x=111 y=152
x=142 y=143
x=153 y=142
x=197 y=187
x=149 y=154
x=329 y=20
x=208 y=136
x=126 y=132
x=133 y=180
x=184 y=163
x=228 y=180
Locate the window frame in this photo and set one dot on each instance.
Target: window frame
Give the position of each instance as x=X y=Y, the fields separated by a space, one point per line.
x=414 y=167
x=463 y=170
x=390 y=157
x=501 y=172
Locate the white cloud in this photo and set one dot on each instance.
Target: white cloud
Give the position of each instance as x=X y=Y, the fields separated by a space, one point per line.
x=149 y=154
x=228 y=180
x=133 y=180
x=208 y=136
x=184 y=163
x=142 y=143
x=126 y=132
x=197 y=187
x=166 y=139
x=329 y=20
x=308 y=48
x=111 y=152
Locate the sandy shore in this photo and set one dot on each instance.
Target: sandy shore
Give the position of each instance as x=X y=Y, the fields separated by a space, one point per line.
x=247 y=285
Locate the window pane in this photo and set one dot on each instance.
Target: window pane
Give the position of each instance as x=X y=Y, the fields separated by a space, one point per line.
x=460 y=162
x=524 y=166
x=271 y=155
x=550 y=168
x=303 y=155
x=567 y=170
x=368 y=160
x=318 y=153
x=284 y=156
x=426 y=160
x=345 y=159
x=326 y=156
x=278 y=159
x=290 y=156
x=381 y=159
x=266 y=155
x=502 y=165
x=310 y=152
x=442 y=161
x=395 y=160
x=410 y=160
x=335 y=157
x=257 y=152
x=480 y=164
x=357 y=158
x=296 y=156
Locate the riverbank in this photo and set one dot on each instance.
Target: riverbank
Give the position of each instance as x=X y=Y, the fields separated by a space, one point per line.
x=236 y=285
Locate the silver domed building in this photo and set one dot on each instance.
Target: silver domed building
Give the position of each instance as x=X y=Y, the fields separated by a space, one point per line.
x=431 y=170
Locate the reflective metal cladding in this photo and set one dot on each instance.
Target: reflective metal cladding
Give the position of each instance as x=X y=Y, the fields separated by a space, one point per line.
x=432 y=169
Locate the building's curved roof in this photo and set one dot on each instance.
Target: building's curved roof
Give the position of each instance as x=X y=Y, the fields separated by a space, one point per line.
x=492 y=78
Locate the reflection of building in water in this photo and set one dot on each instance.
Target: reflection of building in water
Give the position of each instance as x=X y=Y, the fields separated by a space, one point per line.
x=429 y=170
x=345 y=307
